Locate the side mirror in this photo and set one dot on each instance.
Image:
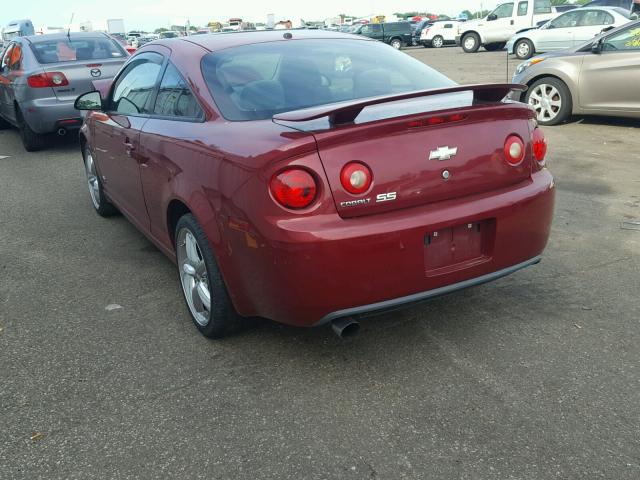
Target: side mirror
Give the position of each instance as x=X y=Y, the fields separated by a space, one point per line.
x=492 y=17
x=89 y=101
x=596 y=47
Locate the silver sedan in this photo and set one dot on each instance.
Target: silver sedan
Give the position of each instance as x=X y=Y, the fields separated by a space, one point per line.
x=600 y=77
x=42 y=75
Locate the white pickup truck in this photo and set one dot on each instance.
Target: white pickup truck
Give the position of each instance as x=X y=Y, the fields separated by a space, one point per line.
x=493 y=31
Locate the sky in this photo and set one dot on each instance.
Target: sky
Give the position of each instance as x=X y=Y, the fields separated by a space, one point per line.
x=151 y=14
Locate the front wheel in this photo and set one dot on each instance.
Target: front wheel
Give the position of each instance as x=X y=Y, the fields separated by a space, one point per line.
x=551 y=100
x=203 y=288
x=103 y=207
x=471 y=43
x=524 y=49
x=437 y=41
x=396 y=43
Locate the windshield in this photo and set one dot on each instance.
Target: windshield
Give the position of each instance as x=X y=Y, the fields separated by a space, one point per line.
x=65 y=50
x=254 y=82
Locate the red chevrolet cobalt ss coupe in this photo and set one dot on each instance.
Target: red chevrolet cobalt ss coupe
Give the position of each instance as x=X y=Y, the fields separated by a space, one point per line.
x=309 y=177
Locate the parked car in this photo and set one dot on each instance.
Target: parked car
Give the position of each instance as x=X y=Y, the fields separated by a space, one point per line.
x=439 y=34
x=493 y=31
x=311 y=176
x=41 y=76
x=566 y=30
x=396 y=34
x=595 y=78
x=417 y=28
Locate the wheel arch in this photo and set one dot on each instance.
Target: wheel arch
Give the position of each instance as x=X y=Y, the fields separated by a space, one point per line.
x=558 y=76
x=467 y=32
x=175 y=209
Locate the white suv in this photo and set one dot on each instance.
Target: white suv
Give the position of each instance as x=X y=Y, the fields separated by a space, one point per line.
x=439 y=34
x=493 y=31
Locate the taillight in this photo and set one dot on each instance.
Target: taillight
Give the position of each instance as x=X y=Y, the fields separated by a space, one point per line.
x=514 y=150
x=356 y=178
x=539 y=146
x=294 y=188
x=49 y=79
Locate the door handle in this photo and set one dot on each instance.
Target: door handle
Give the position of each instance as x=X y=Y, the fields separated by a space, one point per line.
x=512 y=22
x=128 y=146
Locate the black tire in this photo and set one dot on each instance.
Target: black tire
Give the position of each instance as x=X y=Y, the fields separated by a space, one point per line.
x=467 y=45
x=101 y=204
x=396 y=43
x=546 y=84
x=31 y=140
x=437 y=41
x=222 y=316
x=524 y=49
x=494 y=47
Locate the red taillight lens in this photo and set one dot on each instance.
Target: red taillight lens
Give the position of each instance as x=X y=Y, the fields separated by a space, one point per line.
x=49 y=79
x=356 y=178
x=294 y=188
x=514 y=150
x=539 y=146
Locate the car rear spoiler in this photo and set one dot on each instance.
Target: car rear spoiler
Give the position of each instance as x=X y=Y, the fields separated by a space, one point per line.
x=346 y=112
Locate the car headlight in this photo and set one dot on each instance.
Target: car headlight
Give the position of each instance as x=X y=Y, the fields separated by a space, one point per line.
x=524 y=65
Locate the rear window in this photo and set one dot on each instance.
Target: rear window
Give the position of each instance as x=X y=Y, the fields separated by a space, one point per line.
x=70 y=50
x=254 y=82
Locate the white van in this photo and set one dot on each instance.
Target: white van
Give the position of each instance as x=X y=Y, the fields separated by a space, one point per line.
x=493 y=31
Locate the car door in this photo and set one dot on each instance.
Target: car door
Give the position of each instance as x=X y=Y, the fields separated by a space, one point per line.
x=609 y=80
x=558 y=34
x=116 y=134
x=172 y=146
x=591 y=24
x=500 y=25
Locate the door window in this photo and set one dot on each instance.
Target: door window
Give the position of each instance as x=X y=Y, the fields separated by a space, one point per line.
x=175 y=98
x=523 y=8
x=627 y=40
x=449 y=25
x=504 y=11
x=134 y=87
x=592 y=18
x=541 y=7
x=566 y=20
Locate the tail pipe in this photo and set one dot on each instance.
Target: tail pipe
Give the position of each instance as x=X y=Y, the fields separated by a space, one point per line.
x=62 y=132
x=345 y=327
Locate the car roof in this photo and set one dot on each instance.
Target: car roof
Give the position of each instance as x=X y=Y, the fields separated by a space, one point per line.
x=219 y=41
x=63 y=36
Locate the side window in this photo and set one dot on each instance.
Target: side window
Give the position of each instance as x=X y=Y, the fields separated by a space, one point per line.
x=627 y=40
x=566 y=20
x=376 y=28
x=504 y=11
x=523 y=8
x=448 y=25
x=592 y=18
x=175 y=98
x=135 y=86
x=6 y=57
x=15 y=58
x=541 y=7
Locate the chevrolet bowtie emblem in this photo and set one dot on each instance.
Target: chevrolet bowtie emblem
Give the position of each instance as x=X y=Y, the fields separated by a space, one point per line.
x=443 y=153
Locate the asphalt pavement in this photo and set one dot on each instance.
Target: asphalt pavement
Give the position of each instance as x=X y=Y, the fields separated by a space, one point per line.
x=535 y=376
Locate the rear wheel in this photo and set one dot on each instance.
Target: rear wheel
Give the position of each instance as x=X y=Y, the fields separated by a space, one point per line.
x=524 y=49
x=203 y=288
x=494 y=47
x=551 y=100
x=396 y=43
x=31 y=140
x=437 y=42
x=471 y=42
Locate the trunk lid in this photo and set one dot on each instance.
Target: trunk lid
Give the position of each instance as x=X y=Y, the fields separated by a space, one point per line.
x=80 y=74
x=408 y=156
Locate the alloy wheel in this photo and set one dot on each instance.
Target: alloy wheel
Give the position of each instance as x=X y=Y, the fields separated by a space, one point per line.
x=546 y=101
x=194 y=277
x=92 y=179
x=470 y=42
x=437 y=42
x=523 y=50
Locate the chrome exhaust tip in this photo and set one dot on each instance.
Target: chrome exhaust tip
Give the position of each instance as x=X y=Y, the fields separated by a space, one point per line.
x=345 y=327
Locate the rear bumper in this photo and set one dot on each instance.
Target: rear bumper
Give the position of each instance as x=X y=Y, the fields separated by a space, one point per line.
x=314 y=269
x=47 y=115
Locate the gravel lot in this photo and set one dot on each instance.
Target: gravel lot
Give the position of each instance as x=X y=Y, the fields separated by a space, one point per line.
x=535 y=376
